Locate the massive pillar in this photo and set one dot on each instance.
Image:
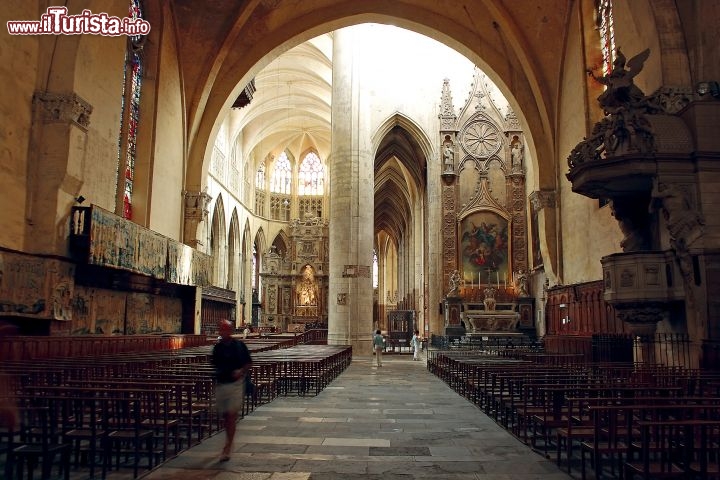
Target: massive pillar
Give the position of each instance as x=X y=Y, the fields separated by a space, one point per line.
x=351 y=201
x=55 y=177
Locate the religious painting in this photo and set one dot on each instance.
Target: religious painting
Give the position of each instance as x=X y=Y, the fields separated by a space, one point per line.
x=484 y=249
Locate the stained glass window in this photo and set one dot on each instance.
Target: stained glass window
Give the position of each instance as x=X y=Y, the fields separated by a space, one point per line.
x=132 y=83
x=311 y=176
x=282 y=175
x=607 y=33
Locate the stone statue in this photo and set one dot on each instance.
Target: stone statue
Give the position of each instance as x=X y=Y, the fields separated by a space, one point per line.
x=521 y=284
x=625 y=127
x=448 y=155
x=621 y=91
x=453 y=283
x=517 y=150
x=307 y=289
x=684 y=223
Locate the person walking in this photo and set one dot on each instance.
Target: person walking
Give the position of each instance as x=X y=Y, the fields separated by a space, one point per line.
x=378 y=345
x=416 y=343
x=232 y=361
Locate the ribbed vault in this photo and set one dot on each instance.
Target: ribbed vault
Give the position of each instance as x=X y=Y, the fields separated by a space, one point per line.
x=400 y=171
x=291 y=105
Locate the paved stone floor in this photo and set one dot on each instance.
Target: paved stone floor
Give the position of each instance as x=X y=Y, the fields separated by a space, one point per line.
x=394 y=422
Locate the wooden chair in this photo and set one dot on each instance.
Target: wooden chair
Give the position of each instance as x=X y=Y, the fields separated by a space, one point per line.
x=578 y=428
x=127 y=436
x=677 y=449
x=36 y=442
x=612 y=436
x=554 y=415
x=85 y=428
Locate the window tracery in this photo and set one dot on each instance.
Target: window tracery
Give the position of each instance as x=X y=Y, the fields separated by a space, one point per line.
x=311 y=176
x=282 y=175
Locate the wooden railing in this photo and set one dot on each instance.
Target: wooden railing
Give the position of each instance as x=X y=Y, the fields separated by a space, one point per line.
x=580 y=310
x=13 y=348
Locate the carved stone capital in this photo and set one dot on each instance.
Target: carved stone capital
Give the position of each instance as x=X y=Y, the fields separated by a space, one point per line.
x=641 y=318
x=196 y=205
x=62 y=108
x=540 y=199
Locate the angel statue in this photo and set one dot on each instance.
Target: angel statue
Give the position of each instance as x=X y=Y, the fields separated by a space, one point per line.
x=453 y=283
x=621 y=91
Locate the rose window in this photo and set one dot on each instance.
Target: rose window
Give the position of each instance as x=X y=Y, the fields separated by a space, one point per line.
x=480 y=139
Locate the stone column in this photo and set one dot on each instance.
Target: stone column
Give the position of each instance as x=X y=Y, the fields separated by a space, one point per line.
x=57 y=150
x=352 y=201
x=196 y=211
x=544 y=202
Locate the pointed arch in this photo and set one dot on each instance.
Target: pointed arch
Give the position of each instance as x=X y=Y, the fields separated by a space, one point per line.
x=281 y=243
x=311 y=174
x=245 y=259
x=218 y=242
x=234 y=253
x=281 y=175
x=245 y=288
x=420 y=138
x=259 y=247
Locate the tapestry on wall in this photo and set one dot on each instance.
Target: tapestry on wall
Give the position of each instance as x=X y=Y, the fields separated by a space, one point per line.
x=104 y=312
x=484 y=249
x=35 y=287
x=120 y=243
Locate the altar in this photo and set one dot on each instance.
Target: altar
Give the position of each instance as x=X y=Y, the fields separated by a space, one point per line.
x=489 y=310
x=491 y=317
x=481 y=321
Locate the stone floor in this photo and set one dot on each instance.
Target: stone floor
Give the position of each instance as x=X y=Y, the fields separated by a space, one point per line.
x=398 y=421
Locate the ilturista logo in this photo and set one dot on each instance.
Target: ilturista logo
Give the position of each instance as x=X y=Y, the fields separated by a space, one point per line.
x=57 y=21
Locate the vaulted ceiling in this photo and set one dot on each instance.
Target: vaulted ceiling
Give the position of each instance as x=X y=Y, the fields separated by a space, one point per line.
x=291 y=108
x=291 y=104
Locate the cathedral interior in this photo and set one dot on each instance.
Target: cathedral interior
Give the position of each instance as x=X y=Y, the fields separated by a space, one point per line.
x=539 y=169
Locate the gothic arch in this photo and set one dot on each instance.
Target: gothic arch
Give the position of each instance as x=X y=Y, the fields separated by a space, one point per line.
x=261 y=247
x=246 y=266
x=401 y=163
x=218 y=243
x=281 y=243
x=502 y=50
x=308 y=150
x=416 y=133
x=234 y=253
x=403 y=153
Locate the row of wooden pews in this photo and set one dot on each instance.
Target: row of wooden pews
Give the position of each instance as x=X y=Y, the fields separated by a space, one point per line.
x=134 y=410
x=632 y=420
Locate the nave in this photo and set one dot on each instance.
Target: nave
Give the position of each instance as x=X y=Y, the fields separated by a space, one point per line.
x=399 y=421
